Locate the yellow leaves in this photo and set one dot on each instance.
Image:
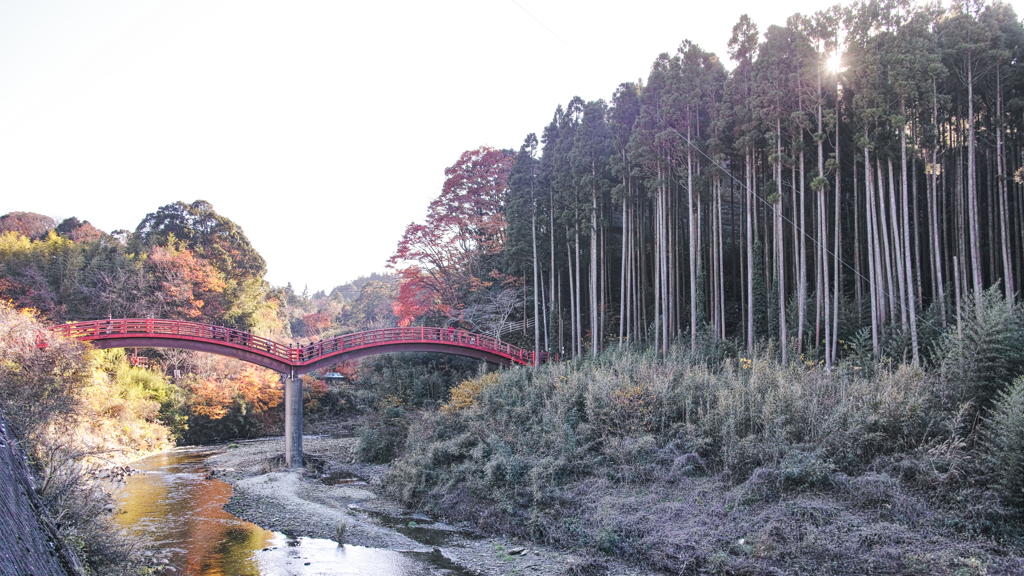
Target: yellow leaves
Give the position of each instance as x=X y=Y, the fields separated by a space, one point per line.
x=256 y=387
x=465 y=395
x=210 y=399
x=313 y=391
x=746 y=363
x=392 y=401
x=12 y=243
x=623 y=407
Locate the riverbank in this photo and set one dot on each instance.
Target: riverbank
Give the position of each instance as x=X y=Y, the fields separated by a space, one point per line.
x=29 y=543
x=334 y=490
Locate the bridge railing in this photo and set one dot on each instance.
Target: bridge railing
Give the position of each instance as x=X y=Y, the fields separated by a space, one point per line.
x=120 y=327
x=411 y=334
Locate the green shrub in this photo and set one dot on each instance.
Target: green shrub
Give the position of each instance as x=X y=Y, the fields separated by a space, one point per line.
x=985 y=352
x=415 y=378
x=382 y=436
x=1002 y=435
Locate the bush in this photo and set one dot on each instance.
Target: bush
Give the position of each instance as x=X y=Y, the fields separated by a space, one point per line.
x=382 y=437
x=1002 y=436
x=631 y=454
x=322 y=399
x=414 y=378
x=466 y=393
x=985 y=352
x=61 y=403
x=150 y=410
x=248 y=402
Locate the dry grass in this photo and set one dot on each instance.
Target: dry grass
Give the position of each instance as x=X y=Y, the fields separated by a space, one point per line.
x=76 y=414
x=741 y=466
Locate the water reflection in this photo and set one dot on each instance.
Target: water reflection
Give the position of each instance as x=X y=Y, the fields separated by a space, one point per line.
x=308 y=556
x=177 y=505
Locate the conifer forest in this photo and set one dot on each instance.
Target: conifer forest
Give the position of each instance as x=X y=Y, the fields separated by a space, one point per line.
x=776 y=295
x=850 y=181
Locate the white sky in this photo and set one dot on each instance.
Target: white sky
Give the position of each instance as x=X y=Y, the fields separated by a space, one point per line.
x=321 y=128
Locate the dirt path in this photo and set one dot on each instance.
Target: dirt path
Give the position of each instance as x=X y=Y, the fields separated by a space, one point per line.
x=304 y=503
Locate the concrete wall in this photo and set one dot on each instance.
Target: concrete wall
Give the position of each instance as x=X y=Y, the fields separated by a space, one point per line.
x=28 y=542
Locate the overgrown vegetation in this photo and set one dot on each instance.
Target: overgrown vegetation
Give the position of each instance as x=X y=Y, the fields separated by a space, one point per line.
x=391 y=385
x=741 y=465
x=78 y=412
x=185 y=261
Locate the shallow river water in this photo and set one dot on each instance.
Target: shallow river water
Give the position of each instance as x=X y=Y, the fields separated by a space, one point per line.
x=175 y=504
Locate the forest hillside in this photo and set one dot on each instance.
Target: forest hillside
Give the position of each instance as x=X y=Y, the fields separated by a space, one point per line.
x=783 y=294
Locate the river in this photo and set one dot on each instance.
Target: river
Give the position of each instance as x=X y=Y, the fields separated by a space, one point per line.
x=174 y=502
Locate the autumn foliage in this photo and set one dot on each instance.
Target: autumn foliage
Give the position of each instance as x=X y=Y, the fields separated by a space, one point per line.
x=237 y=403
x=188 y=287
x=465 y=395
x=316 y=323
x=257 y=388
x=414 y=297
x=28 y=224
x=444 y=258
x=210 y=398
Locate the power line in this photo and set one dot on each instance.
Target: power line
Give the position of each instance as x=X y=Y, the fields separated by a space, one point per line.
x=570 y=46
x=797 y=227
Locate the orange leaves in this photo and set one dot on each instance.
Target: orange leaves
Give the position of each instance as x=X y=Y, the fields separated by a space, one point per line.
x=210 y=398
x=185 y=283
x=316 y=323
x=313 y=391
x=259 y=389
x=347 y=369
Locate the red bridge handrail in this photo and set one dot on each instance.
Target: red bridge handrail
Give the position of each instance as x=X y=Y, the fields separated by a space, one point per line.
x=295 y=356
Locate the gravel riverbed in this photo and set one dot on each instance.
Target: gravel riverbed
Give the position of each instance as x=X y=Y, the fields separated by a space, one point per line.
x=334 y=490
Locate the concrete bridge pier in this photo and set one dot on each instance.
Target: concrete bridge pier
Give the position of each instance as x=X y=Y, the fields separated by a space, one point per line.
x=292 y=420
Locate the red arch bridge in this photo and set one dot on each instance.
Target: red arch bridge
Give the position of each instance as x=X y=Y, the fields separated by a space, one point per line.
x=291 y=361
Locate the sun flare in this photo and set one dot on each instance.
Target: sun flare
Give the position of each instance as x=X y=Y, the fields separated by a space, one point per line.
x=835 y=62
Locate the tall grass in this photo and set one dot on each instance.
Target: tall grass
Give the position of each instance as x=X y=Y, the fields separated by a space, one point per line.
x=672 y=461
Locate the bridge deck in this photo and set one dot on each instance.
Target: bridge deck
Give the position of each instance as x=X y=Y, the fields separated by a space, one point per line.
x=154 y=333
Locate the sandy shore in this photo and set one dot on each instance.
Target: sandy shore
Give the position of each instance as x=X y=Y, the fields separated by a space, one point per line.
x=303 y=504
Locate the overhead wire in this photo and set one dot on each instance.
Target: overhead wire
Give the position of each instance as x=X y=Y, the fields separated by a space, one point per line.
x=570 y=46
x=796 y=226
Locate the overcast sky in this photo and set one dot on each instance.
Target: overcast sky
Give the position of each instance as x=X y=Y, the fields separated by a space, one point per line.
x=321 y=128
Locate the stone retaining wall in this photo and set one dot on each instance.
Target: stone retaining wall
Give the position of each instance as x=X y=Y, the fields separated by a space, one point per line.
x=28 y=541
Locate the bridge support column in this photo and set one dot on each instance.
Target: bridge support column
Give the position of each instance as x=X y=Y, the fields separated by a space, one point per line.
x=292 y=420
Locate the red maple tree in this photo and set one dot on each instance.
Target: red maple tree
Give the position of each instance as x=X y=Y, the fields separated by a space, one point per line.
x=440 y=260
